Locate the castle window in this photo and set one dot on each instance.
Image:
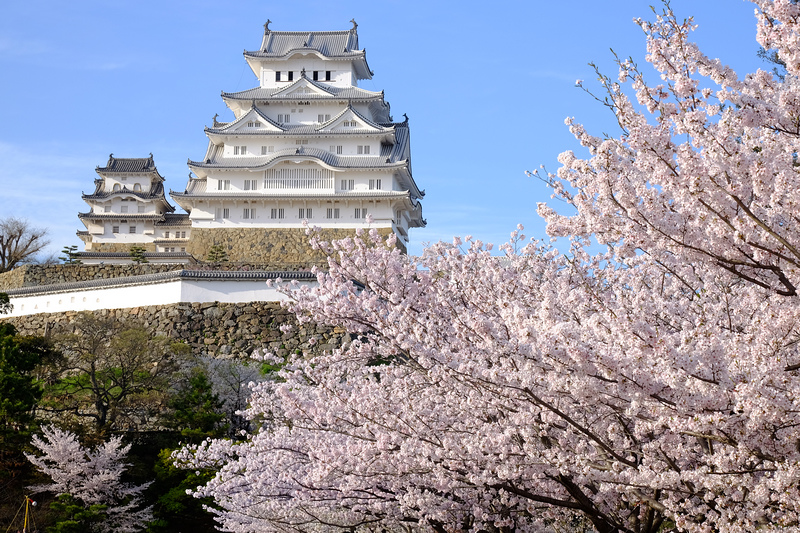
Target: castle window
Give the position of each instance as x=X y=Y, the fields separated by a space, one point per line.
x=240 y=150
x=336 y=149
x=332 y=212
x=347 y=185
x=290 y=75
x=327 y=75
x=248 y=213
x=114 y=229
x=284 y=118
x=374 y=184
x=137 y=187
x=224 y=185
x=166 y=235
x=361 y=212
x=182 y=236
x=223 y=213
x=278 y=75
x=106 y=209
x=250 y=185
x=131 y=229
x=253 y=124
x=124 y=178
x=304 y=213
x=266 y=149
x=316 y=75
x=276 y=213
x=323 y=118
x=183 y=248
x=301 y=141
x=363 y=149
x=123 y=209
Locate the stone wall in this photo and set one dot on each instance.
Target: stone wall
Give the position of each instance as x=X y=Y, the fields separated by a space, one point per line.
x=119 y=247
x=211 y=329
x=35 y=275
x=275 y=246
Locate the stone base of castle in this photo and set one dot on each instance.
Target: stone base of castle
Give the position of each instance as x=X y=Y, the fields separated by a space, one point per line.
x=273 y=246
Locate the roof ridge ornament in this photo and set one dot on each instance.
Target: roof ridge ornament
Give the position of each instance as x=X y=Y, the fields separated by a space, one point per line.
x=303 y=73
x=266 y=27
x=355 y=24
x=406 y=118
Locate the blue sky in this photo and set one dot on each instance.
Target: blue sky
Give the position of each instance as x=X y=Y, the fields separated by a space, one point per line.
x=487 y=86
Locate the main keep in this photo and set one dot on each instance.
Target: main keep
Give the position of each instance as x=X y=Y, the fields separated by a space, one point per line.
x=306 y=145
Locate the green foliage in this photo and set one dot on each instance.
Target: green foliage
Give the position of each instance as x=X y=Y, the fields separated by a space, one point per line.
x=197 y=411
x=74 y=517
x=217 y=254
x=175 y=510
x=117 y=378
x=19 y=393
x=69 y=255
x=5 y=304
x=137 y=254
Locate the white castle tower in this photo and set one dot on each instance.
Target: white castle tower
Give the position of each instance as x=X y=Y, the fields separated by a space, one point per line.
x=128 y=208
x=307 y=144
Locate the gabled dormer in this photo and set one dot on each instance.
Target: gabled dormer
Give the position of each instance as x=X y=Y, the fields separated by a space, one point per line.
x=302 y=88
x=351 y=120
x=252 y=122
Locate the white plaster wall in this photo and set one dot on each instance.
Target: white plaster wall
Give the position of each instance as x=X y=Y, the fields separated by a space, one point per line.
x=230 y=291
x=161 y=293
x=341 y=71
x=93 y=299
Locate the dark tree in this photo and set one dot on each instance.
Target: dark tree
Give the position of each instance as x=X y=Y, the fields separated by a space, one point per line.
x=19 y=242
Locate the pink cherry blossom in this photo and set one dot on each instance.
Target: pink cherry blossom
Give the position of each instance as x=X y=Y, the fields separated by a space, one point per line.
x=649 y=386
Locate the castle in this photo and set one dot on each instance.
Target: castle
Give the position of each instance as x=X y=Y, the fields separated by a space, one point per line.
x=307 y=146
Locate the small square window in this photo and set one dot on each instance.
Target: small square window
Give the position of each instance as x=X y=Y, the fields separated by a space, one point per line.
x=131 y=229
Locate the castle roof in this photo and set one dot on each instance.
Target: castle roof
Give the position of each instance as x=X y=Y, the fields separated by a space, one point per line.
x=328 y=43
x=156 y=192
x=118 y=165
x=237 y=275
x=175 y=219
x=120 y=216
x=293 y=154
x=328 y=92
x=279 y=45
x=302 y=129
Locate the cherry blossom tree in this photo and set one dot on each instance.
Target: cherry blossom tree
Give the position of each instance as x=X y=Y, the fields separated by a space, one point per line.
x=92 y=477
x=650 y=388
